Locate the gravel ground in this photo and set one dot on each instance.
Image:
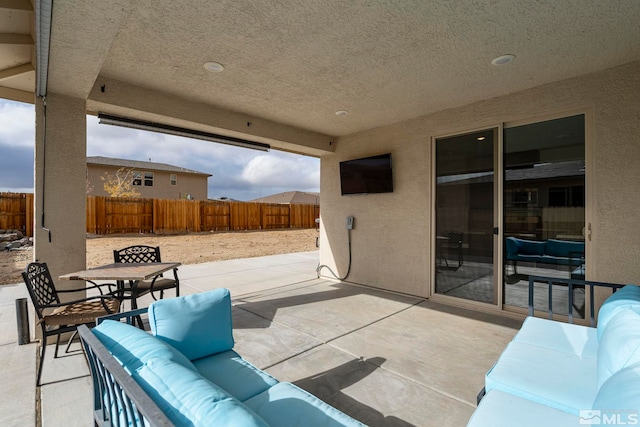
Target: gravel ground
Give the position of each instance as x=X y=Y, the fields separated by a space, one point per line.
x=188 y=249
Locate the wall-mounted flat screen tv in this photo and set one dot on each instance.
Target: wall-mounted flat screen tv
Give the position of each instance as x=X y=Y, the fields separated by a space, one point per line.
x=367 y=175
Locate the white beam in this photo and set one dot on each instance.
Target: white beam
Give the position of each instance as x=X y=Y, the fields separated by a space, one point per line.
x=15 y=71
x=10 y=38
x=16 y=95
x=126 y=100
x=16 y=5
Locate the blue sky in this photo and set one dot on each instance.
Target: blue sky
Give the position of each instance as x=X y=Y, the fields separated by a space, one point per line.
x=238 y=173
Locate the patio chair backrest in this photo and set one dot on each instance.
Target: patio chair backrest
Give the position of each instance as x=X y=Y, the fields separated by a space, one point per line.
x=455 y=239
x=40 y=286
x=137 y=254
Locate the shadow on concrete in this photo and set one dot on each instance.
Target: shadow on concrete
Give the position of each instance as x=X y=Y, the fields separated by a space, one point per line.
x=328 y=386
x=267 y=308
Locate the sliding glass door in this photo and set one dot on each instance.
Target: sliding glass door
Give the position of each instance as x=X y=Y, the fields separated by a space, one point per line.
x=510 y=204
x=465 y=216
x=544 y=210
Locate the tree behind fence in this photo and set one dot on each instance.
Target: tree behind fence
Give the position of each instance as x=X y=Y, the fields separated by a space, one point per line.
x=107 y=215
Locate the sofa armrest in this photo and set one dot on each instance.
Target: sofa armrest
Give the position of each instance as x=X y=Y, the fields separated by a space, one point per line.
x=117 y=399
x=127 y=315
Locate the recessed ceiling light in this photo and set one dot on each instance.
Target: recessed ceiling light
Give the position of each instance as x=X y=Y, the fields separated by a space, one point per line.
x=481 y=138
x=503 y=59
x=342 y=113
x=214 y=67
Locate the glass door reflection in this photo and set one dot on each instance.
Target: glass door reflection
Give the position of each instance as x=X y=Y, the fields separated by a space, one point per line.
x=465 y=216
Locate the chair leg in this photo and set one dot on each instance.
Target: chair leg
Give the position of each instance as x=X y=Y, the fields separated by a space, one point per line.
x=75 y=334
x=139 y=322
x=55 y=354
x=42 y=350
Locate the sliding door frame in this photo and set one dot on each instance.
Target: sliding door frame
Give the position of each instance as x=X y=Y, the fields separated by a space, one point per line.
x=498 y=249
x=497 y=222
x=589 y=124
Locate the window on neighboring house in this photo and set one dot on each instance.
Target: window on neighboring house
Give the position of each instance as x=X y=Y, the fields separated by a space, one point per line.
x=148 y=179
x=569 y=196
x=137 y=178
x=173 y=179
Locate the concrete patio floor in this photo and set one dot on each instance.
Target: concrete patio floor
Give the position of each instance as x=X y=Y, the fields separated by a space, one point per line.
x=385 y=359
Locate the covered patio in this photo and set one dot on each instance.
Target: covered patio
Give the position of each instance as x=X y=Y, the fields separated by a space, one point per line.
x=385 y=359
x=342 y=81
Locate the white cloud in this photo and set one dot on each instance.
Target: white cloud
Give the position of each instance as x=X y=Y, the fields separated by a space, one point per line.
x=238 y=173
x=283 y=170
x=17 y=124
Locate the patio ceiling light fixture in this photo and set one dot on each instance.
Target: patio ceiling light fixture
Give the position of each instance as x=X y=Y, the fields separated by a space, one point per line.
x=503 y=59
x=107 y=119
x=214 y=67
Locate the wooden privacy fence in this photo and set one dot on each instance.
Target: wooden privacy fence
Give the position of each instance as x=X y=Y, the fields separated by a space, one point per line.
x=110 y=215
x=16 y=212
x=107 y=215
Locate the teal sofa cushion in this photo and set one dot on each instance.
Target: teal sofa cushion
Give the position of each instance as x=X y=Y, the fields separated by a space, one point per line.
x=197 y=325
x=133 y=347
x=285 y=405
x=563 y=248
x=233 y=374
x=621 y=391
x=188 y=399
x=619 y=345
x=546 y=376
x=517 y=246
x=625 y=298
x=500 y=409
x=567 y=337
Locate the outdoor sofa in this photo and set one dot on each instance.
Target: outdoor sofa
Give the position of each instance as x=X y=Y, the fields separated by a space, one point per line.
x=559 y=374
x=551 y=251
x=186 y=373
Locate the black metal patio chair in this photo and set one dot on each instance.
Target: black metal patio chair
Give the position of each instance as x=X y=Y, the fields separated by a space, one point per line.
x=145 y=254
x=55 y=317
x=453 y=245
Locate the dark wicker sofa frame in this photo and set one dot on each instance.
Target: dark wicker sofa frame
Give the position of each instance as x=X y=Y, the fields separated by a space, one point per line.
x=117 y=399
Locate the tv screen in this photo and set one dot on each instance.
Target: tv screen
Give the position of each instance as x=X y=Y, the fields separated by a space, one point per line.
x=367 y=175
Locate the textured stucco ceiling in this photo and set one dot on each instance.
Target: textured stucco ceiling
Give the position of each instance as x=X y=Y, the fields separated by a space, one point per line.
x=297 y=62
x=17 y=73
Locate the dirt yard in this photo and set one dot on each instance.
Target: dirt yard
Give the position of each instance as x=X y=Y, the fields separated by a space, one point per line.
x=187 y=249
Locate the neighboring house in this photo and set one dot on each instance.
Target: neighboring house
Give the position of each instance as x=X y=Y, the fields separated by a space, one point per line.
x=151 y=180
x=292 y=198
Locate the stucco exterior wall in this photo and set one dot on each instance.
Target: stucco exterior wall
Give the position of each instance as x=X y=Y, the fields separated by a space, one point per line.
x=60 y=156
x=391 y=239
x=196 y=185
